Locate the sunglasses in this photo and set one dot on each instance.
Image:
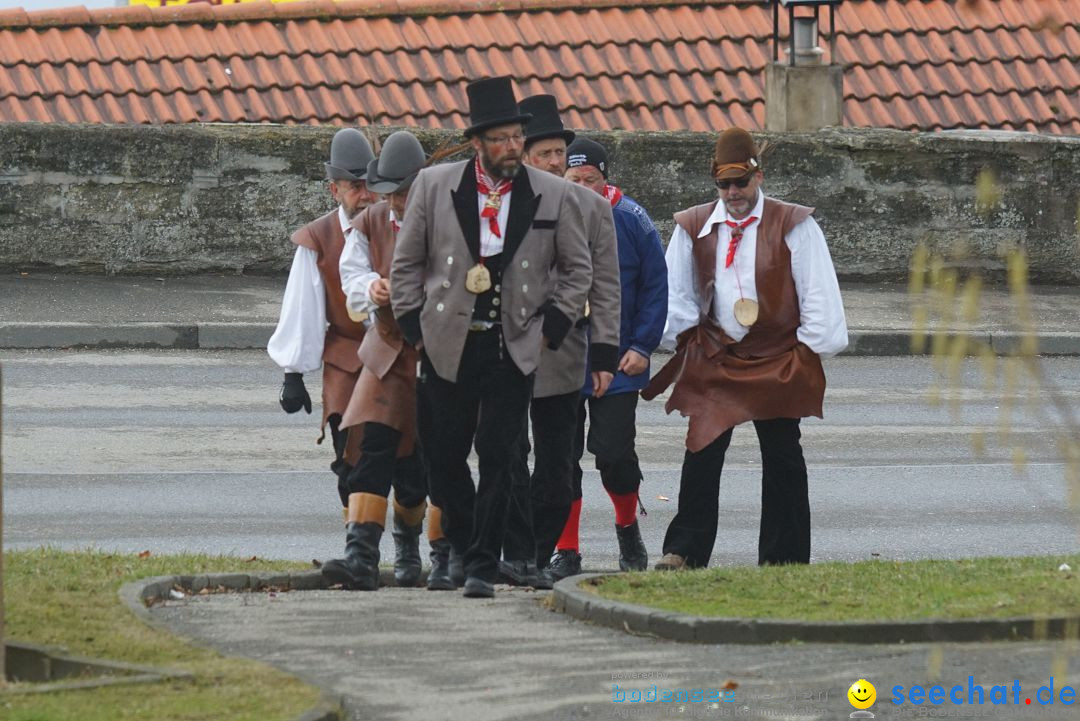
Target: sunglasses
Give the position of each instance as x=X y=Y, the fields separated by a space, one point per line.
x=740 y=183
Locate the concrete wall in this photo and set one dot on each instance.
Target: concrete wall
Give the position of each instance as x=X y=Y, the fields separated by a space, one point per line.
x=194 y=199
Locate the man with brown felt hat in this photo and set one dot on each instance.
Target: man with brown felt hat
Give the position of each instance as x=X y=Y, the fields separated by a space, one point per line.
x=541 y=503
x=753 y=306
x=315 y=328
x=471 y=287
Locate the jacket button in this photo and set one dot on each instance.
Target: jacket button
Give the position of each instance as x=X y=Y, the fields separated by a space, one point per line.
x=523 y=312
x=440 y=307
x=524 y=264
x=498 y=288
x=449 y=260
x=446 y=284
x=495 y=301
x=525 y=289
x=492 y=314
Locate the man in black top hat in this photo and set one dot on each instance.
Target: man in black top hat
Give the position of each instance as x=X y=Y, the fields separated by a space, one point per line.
x=540 y=504
x=478 y=297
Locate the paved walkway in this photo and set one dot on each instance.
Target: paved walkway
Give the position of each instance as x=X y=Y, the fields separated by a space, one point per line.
x=400 y=654
x=58 y=311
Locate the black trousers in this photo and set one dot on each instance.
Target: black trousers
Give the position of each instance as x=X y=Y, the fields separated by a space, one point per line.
x=339 y=467
x=379 y=468
x=488 y=403
x=784 y=535
x=612 y=430
x=540 y=503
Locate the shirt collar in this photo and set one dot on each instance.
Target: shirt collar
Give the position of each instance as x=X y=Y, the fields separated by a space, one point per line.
x=720 y=214
x=343 y=219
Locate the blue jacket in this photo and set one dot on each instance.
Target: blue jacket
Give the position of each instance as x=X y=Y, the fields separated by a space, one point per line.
x=643 y=274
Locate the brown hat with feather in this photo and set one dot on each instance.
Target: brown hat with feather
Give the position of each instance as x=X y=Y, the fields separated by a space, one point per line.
x=736 y=155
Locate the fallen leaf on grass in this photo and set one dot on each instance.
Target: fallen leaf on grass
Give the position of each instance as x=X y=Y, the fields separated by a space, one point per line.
x=144 y=554
x=251 y=560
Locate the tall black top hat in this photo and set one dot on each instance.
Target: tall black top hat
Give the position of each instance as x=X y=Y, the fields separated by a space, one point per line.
x=492 y=103
x=545 y=122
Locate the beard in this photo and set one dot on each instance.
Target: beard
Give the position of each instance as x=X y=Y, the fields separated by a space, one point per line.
x=354 y=210
x=504 y=169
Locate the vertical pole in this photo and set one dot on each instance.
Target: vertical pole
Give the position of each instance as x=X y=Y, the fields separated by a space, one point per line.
x=791 y=34
x=776 y=31
x=832 y=35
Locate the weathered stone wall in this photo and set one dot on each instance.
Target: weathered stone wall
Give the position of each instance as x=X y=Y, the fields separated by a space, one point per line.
x=192 y=199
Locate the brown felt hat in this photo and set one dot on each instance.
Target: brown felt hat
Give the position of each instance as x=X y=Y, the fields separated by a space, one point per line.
x=736 y=155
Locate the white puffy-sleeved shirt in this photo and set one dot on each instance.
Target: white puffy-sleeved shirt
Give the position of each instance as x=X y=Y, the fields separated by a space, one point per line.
x=356 y=273
x=297 y=343
x=822 y=324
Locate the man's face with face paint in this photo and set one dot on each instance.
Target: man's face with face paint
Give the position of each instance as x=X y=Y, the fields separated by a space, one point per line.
x=548 y=154
x=500 y=150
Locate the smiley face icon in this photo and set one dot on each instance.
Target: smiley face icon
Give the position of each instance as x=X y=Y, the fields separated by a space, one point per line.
x=862 y=694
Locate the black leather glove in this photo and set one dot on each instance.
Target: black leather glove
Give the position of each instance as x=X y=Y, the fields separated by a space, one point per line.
x=555 y=325
x=294 y=395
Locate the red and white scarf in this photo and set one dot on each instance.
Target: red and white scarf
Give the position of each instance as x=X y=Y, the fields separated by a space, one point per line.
x=494 y=192
x=736 y=235
x=613 y=194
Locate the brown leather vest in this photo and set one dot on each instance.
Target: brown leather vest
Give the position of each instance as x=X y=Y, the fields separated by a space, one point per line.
x=375 y=224
x=343 y=337
x=720 y=383
x=386 y=389
x=778 y=304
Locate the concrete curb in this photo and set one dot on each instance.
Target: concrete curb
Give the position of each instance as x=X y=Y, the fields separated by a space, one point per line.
x=183 y=336
x=232 y=336
x=570 y=598
x=51 y=668
x=138 y=595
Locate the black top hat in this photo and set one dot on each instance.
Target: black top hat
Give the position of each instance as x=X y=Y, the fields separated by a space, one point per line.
x=545 y=122
x=492 y=103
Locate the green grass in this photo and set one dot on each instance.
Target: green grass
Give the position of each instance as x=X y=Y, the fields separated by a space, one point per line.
x=873 y=590
x=70 y=599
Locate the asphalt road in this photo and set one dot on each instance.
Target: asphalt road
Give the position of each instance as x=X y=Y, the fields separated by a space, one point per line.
x=188 y=451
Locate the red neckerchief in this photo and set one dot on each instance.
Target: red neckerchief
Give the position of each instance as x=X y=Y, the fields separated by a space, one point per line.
x=494 y=192
x=394 y=223
x=613 y=194
x=736 y=236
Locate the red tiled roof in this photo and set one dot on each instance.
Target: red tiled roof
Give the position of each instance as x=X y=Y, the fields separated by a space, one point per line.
x=643 y=65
